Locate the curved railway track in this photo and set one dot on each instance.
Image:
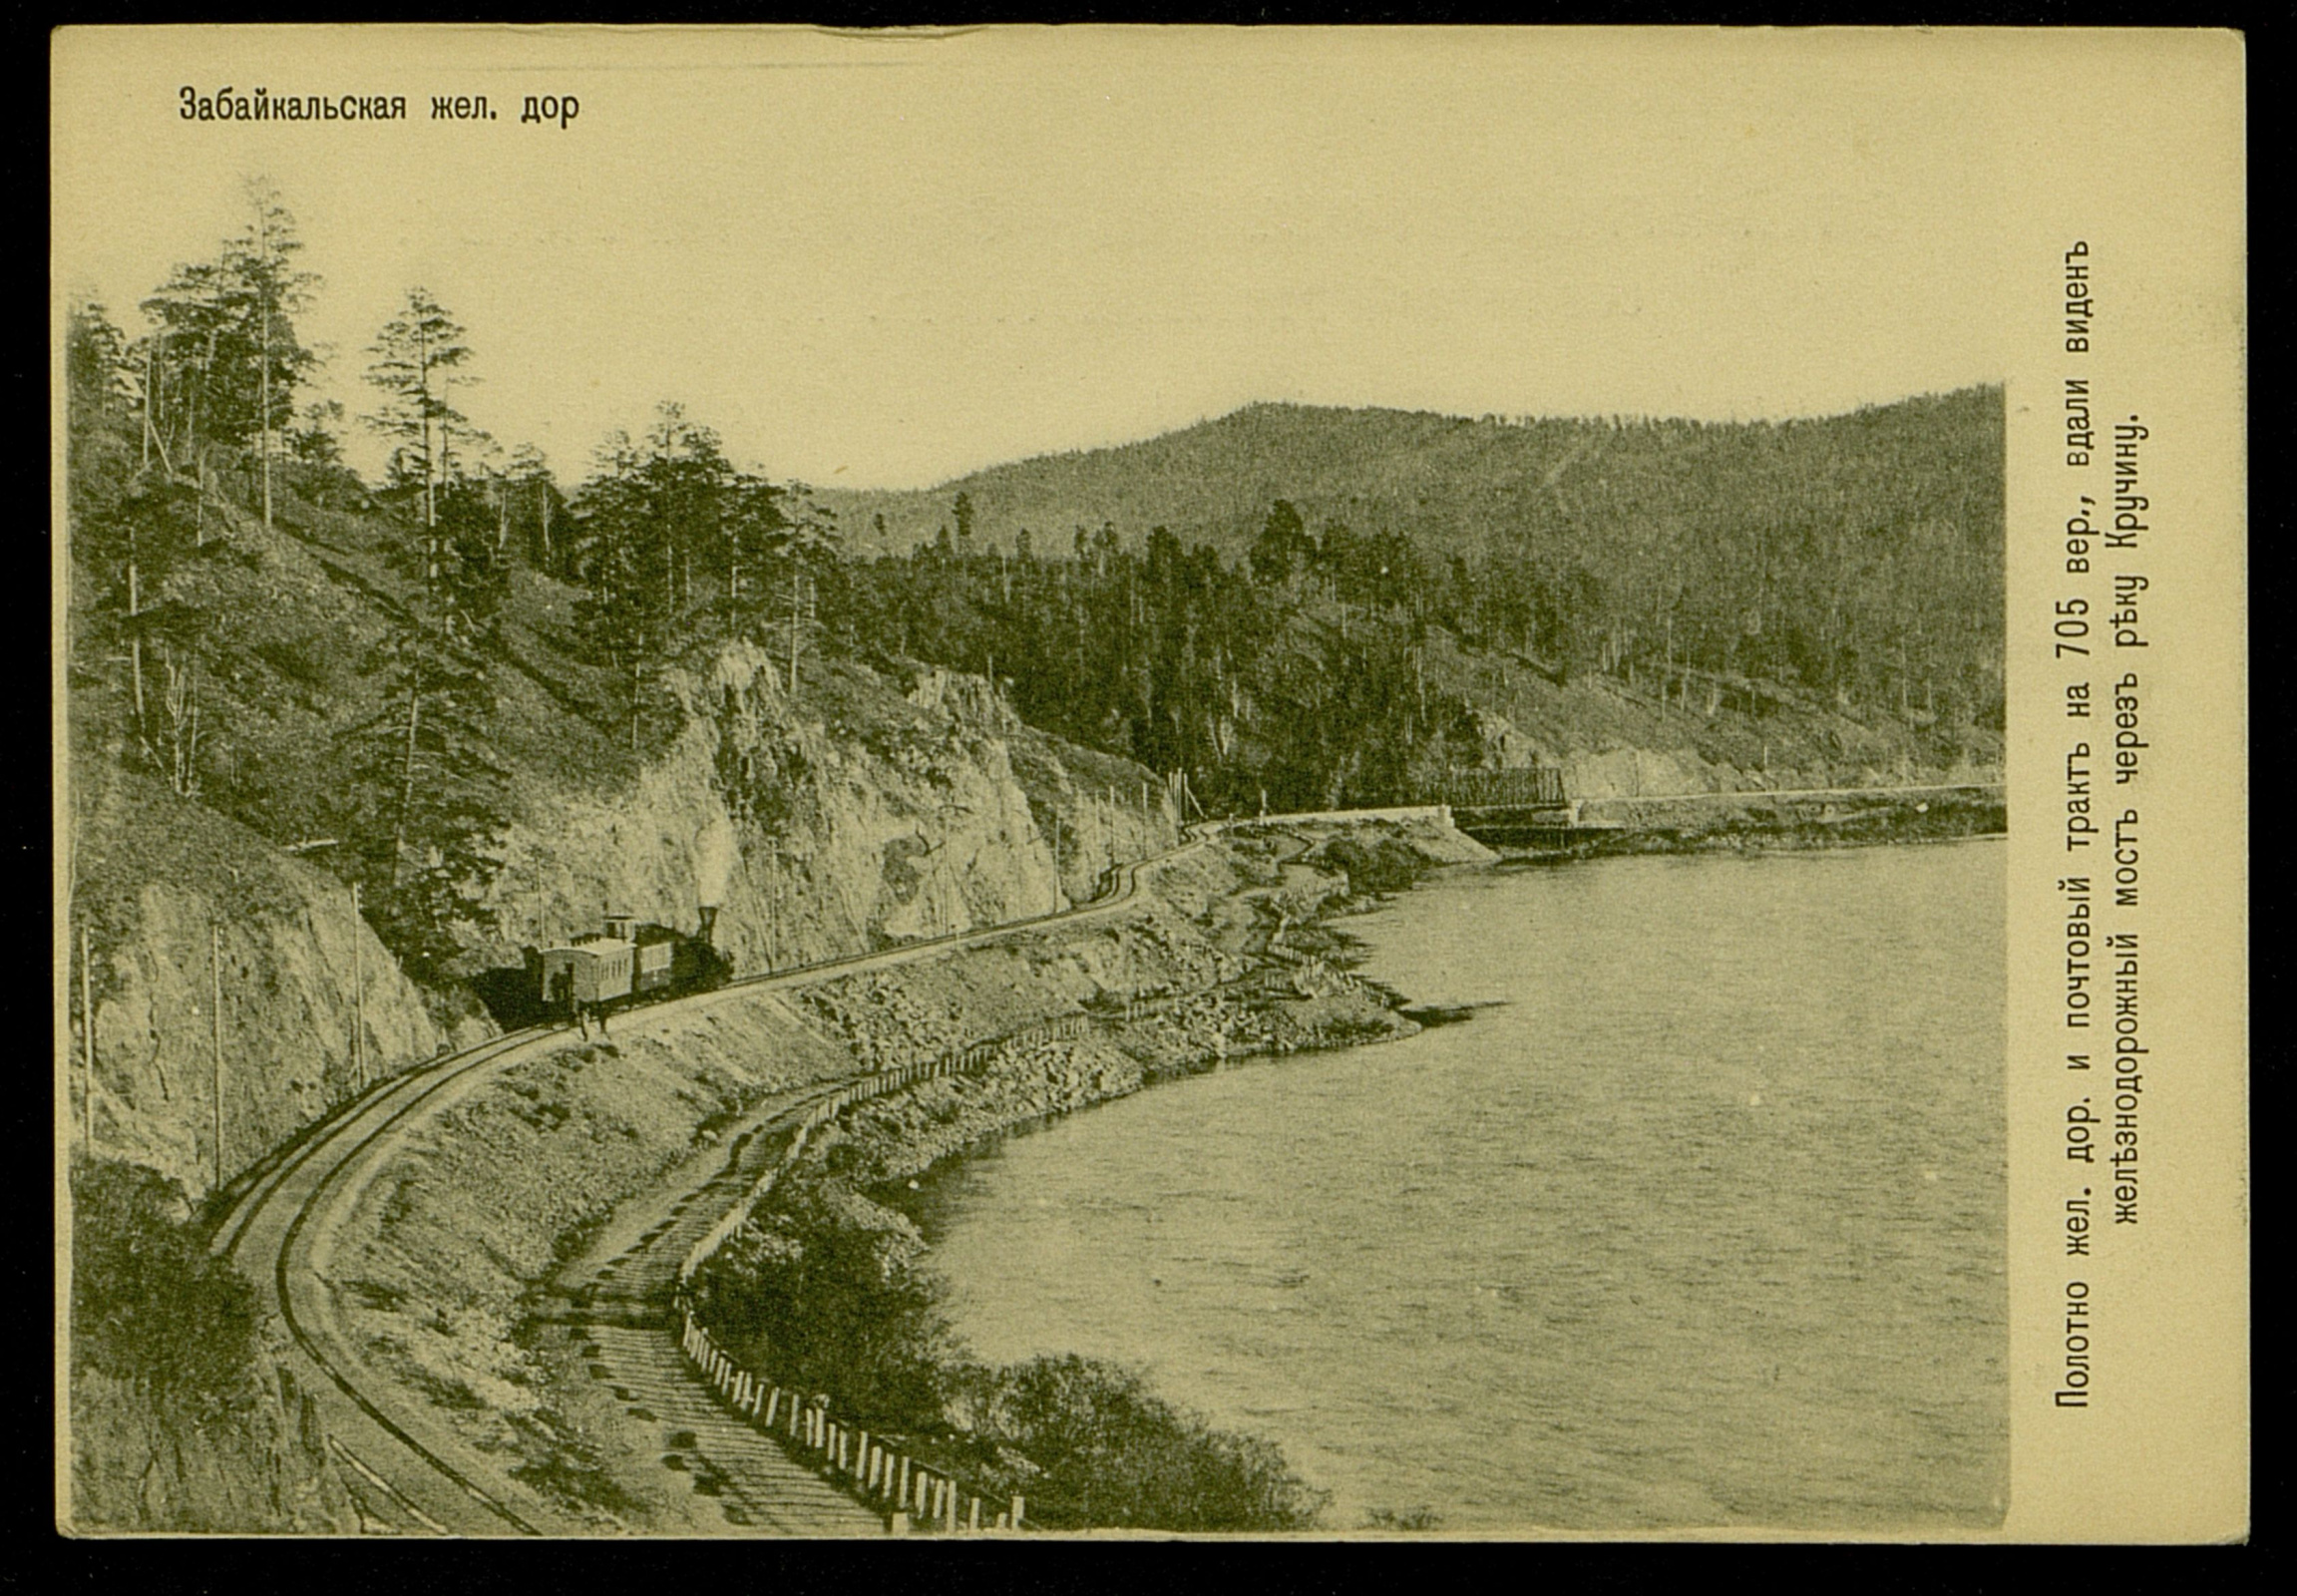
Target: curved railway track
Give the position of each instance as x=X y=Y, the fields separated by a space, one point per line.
x=276 y=1228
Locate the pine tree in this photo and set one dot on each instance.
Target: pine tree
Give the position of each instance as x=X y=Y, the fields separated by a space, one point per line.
x=416 y=353
x=536 y=504
x=421 y=795
x=223 y=362
x=260 y=260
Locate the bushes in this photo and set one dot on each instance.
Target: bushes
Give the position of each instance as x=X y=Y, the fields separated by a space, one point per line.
x=1114 y=1455
x=827 y=1294
x=824 y=1292
x=150 y=1304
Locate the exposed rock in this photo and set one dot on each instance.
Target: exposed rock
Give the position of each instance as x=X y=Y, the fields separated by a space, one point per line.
x=156 y=877
x=859 y=816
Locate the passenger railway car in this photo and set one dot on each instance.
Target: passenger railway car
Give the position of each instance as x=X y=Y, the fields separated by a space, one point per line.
x=625 y=962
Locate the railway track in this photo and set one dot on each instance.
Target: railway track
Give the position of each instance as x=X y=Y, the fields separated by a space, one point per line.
x=278 y=1227
x=280 y=1218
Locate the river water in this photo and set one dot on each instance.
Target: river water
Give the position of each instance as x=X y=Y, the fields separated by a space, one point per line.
x=1699 y=1221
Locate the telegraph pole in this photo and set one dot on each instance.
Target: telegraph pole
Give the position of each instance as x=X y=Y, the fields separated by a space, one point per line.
x=773 y=901
x=87 y=1053
x=358 y=999
x=216 y=976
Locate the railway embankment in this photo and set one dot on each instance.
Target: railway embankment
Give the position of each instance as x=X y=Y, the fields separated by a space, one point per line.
x=451 y=1276
x=827 y=1288
x=1750 y=820
x=228 y=997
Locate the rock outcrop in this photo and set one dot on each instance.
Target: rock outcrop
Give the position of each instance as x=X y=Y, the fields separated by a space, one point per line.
x=860 y=816
x=181 y=905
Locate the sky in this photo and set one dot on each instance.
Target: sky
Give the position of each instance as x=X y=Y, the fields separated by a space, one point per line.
x=883 y=262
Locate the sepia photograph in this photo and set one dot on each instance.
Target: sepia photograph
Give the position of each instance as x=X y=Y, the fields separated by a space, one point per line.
x=1020 y=783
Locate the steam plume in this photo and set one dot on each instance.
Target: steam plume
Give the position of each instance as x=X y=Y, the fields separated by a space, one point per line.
x=715 y=855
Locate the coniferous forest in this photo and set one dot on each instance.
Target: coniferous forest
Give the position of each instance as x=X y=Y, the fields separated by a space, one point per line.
x=310 y=702
x=1288 y=606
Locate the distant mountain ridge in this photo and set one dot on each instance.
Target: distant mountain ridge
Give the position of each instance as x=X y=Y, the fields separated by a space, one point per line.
x=1459 y=484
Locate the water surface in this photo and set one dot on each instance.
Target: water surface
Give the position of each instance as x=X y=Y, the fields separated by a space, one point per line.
x=1702 y=1222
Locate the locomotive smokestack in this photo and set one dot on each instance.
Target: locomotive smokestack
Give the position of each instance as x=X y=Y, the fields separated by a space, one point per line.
x=710 y=920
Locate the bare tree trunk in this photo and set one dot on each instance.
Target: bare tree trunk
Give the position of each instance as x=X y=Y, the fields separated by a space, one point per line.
x=182 y=704
x=135 y=643
x=207 y=375
x=154 y=376
x=215 y=1089
x=264 y=231
x=430 y=465
x=407 y=790
x=358 y=994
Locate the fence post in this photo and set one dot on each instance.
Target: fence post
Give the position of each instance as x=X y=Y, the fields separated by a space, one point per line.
x=973 y=1516
x=1016 y=1512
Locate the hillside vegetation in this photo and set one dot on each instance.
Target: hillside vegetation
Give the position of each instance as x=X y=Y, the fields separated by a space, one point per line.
x=273 y=701
x=1346 y=605
x=338 y=749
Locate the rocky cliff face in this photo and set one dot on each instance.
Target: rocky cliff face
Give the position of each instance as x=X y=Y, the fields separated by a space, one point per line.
x=846 y=817
x=180 y=906
x=1610 y=747
x=859 y=813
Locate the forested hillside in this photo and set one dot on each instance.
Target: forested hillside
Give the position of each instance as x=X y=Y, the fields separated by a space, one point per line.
x=1331 y=604
x=1863 y=548
x=339 y=750
x=1292 y=606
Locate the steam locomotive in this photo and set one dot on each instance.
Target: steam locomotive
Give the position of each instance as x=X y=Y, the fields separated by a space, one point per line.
x=628 y=962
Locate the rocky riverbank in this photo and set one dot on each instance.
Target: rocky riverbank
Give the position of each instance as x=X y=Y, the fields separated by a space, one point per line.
x=444 y=1273
x=829 y=1287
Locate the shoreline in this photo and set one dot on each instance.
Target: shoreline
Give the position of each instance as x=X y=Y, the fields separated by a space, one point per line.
x=934 y=1208
x=854 y=1179
x=1241 y=955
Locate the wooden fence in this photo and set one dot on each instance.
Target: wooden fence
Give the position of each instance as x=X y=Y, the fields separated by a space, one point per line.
x=912 y=1494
